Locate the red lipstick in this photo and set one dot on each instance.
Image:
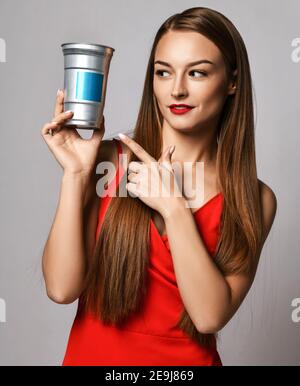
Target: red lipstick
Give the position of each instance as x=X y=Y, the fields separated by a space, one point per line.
x=180 y=108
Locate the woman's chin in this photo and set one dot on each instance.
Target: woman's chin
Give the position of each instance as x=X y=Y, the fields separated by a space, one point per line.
x=184 y=128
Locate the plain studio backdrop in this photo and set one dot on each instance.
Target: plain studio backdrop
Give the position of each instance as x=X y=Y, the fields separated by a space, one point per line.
x=33 y=329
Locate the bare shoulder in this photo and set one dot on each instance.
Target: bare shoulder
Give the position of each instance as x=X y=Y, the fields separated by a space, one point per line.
x=269 y=206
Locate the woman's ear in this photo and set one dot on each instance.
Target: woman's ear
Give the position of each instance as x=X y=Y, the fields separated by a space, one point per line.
x=232 y=84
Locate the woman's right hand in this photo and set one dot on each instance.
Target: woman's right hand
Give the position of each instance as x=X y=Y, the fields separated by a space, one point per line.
x=74 y=153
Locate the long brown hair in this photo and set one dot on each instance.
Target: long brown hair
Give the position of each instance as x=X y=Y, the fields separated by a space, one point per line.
x=116 y=278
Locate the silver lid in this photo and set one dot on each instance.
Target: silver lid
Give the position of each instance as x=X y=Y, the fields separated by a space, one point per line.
x=97 y=49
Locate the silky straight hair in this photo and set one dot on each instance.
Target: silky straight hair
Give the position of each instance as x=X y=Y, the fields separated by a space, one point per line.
x=116 y=279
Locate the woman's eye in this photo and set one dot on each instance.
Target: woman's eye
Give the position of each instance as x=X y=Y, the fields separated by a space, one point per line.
x=199 y=72
x=160 y=72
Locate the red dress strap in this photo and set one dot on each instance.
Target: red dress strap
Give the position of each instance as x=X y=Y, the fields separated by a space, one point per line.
x=119 y=146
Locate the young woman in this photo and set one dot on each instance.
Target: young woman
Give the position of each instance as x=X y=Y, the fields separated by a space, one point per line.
x=157 y=277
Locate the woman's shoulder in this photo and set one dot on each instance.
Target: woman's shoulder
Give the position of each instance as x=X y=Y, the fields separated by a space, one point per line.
x=268 y=205
x=267 y=193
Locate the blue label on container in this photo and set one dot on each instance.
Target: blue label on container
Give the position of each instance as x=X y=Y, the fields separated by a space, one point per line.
x=89 y=86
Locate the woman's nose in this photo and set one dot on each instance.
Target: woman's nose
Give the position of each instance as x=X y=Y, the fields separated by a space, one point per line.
x=179 y=90
x=178 y=94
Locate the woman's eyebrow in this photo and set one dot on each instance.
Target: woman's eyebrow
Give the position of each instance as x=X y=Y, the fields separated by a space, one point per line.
x=188 y=65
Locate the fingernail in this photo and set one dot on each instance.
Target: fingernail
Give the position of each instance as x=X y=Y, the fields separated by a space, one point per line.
x=69 y=112
x=58 y=91
x=122 y=136
x=172 y=148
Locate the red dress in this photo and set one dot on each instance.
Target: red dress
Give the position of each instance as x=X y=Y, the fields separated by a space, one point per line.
x=149 y=337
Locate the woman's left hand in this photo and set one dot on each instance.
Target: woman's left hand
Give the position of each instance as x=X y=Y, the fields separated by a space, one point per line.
x=153 y=182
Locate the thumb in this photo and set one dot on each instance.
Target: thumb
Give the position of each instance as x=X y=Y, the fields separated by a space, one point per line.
x=166 y=157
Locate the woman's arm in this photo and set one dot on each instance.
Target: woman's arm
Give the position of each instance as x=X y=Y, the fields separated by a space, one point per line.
x=64 y=255
x=210 y=298
x=71 y=239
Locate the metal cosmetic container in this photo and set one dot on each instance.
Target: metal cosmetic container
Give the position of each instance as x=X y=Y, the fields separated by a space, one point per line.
x=86 y=68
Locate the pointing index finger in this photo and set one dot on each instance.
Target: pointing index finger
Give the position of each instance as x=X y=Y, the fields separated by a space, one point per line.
x=137 y=149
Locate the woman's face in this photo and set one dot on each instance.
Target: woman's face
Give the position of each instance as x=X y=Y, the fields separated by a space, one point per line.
x=204 y=85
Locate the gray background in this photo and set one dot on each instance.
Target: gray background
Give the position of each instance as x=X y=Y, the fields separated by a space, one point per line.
x=36 y=329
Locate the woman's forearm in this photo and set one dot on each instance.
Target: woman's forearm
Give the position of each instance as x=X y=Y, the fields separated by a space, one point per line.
x=204 y=291
x=64 y=260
